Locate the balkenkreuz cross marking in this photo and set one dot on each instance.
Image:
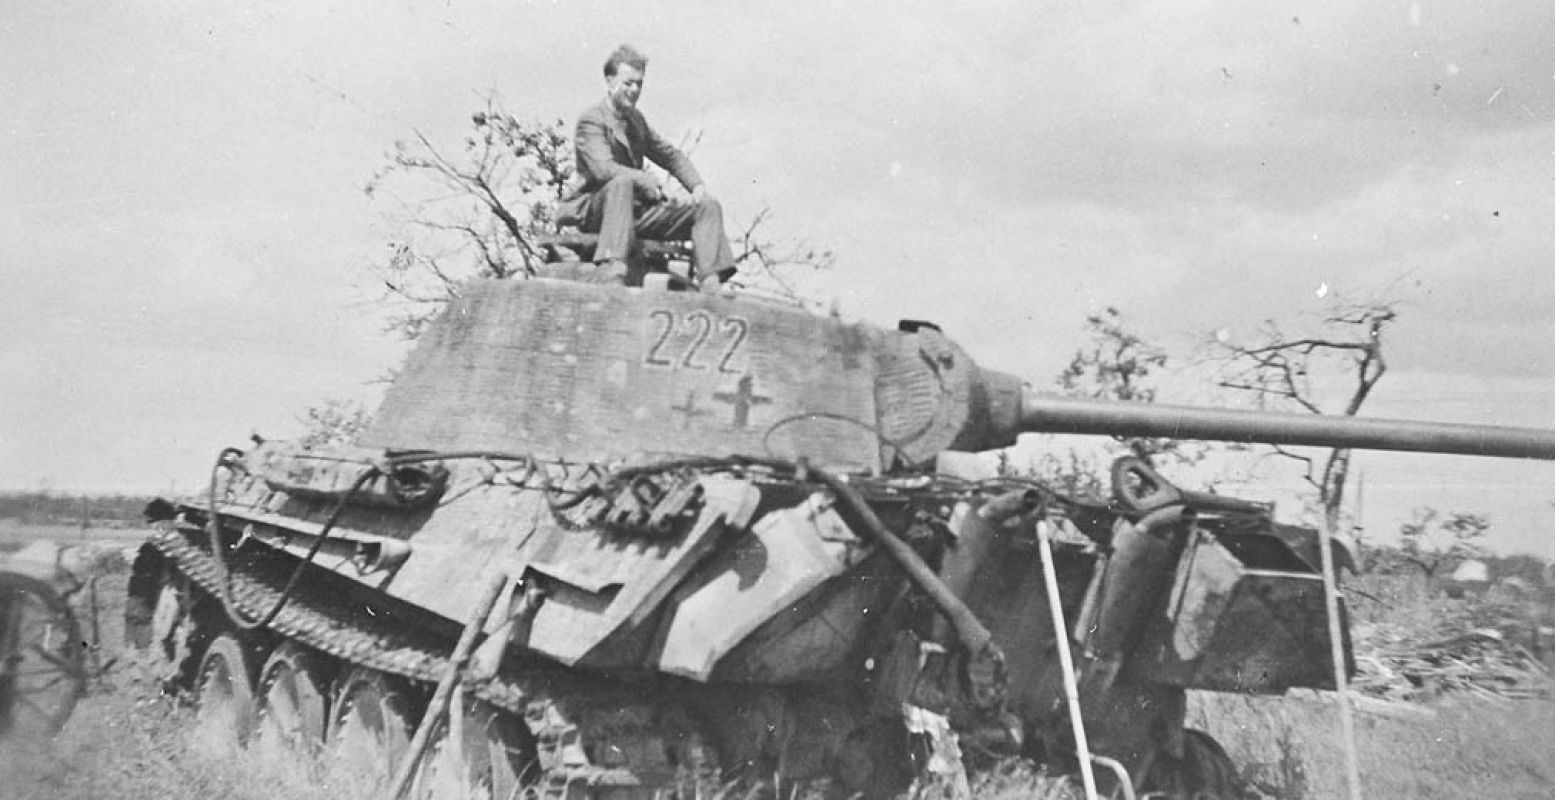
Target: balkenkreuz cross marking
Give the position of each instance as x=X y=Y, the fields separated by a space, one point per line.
x=690 y=409
x=742 y=398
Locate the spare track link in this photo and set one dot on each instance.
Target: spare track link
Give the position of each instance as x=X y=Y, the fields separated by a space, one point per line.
x=541 y=701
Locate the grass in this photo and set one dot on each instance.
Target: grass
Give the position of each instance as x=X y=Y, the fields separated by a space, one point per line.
x=1460 y=747
x=1017 y=780
x=128 y=744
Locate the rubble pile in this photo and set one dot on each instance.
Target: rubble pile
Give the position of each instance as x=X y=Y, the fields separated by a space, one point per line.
x=1395 y=665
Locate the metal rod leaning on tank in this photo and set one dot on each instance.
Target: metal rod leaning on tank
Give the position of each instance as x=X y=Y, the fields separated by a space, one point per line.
x=1352 y=767
x=969 y=629
x=440 y=698
x=1065 y=659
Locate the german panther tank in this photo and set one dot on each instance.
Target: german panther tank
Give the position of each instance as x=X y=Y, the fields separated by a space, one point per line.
x=614 y=541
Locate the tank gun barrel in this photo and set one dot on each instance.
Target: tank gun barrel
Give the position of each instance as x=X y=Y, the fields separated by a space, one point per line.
x=1048 y=413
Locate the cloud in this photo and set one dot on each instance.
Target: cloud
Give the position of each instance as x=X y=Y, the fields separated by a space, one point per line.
x=1179 y=102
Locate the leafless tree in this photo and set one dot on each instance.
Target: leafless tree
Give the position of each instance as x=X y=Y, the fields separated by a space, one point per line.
x=1116 y=363
x=1433 y=541
x=333 y=421
x=467 y=212
x=1342 y=358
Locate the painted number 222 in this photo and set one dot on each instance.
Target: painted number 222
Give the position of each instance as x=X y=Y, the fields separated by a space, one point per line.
x=679 y=341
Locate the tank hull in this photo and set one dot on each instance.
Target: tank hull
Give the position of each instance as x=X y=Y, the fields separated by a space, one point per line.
x=719 y=553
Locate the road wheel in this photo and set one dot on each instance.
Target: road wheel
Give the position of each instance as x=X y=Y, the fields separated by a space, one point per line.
x=1205 y=772
x=292 y=699
x=370 y=727
x=224 y=693
x=42 y=670
x=479 y=754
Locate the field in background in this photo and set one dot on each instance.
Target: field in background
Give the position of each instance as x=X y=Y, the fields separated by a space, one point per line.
x=14 y=534
x=127 y=742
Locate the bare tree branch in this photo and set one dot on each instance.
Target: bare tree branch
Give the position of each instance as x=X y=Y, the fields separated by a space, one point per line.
x=471 y=212
x=1115 y=364
x=477 y=209
x=1280 y=369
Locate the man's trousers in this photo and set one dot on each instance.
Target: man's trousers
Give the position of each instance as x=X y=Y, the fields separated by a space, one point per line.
x=614 y=213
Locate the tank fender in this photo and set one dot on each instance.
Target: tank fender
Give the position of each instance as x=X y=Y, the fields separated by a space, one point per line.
x=589 y=602
x=360 y=475
x=787 y=553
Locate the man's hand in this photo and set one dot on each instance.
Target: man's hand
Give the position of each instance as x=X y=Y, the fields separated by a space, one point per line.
x=648 y=190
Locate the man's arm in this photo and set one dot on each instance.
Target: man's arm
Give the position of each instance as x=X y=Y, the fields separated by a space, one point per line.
x=668 y=156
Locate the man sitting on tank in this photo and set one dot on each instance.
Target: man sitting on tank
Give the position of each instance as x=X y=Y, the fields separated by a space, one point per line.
x=621 y=201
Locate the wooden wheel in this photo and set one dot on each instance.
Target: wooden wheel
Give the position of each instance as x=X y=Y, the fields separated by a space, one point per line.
x=370 y=727
x=42 y=670
x=292 y=699
x=224 y=693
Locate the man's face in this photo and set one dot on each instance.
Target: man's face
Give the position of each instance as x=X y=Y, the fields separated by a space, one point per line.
x=624 y=87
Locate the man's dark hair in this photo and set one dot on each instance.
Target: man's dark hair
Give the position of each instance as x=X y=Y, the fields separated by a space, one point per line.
x=628 y=55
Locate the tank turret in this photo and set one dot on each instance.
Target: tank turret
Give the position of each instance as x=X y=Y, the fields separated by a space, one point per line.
x=557 y=368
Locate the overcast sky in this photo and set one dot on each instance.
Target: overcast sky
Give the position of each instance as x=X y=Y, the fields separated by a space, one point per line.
x=183 y=228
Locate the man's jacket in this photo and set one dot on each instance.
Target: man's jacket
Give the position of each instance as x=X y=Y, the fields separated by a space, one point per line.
x=609 y=144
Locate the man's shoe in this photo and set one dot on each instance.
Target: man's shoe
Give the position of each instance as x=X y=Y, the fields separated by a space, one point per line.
x=711 y=284
x=610 y=272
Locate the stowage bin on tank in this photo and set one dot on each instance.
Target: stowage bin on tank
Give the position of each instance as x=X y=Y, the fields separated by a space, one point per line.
x=723 y=552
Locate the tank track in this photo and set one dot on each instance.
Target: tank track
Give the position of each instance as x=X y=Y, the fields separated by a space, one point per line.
x=560 y=710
